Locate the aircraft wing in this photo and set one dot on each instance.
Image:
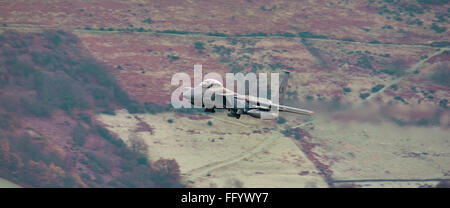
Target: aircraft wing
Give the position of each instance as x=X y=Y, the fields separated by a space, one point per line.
x=264 y=104
x=284 y=108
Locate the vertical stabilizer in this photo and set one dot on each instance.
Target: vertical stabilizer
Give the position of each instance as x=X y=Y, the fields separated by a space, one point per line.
x=283 y=86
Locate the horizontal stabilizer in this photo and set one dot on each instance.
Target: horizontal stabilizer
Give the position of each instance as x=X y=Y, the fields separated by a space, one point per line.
x=283 y=108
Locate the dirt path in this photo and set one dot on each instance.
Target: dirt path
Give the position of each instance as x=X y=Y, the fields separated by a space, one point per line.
x=408 y=72
x=204 y=170
x=28 y=27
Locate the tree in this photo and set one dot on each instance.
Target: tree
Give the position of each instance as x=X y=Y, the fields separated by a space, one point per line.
x=166 y=170
x=138 y=145
x=4 y=153
x=79 y=134
x=36 y=173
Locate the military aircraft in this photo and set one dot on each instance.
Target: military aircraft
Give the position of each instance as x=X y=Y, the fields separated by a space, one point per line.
x=253 y=106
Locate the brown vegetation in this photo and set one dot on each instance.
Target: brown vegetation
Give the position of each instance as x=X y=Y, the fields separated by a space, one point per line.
x=49 y=89
x=443 y=184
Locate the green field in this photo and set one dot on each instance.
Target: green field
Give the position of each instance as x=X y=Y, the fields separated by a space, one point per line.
x=7 y=184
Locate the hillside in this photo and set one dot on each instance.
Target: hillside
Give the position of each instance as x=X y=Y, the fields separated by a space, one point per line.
x=50 y=90
x=85 y=89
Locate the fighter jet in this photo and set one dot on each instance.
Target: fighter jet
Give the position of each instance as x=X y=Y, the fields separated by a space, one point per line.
x=253 y=106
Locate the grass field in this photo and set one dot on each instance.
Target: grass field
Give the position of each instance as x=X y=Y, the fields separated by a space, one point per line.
x=7 y=184
x=255 y=153
x=250 y=152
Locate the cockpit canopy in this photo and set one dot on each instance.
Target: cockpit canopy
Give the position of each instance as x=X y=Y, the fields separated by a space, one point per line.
x=208 y=83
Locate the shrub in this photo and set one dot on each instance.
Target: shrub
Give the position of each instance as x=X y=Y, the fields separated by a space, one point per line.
x=364 y=95
x=190 y=111
x=443 y=103
x=217 y=34
x=394 y=87
x=176 y=32
x=281 y=120
x=222 y=50
x=440 y=44
x=142 y=161
x=108 y=137
x=154 y=108
x=199 y=45
x=438 y=29
x=86 y=118
x=98 y=161
x=364 y=62
x=396 y=68
x=138 y=145
x=400 y=99
x=131 y=105
x=377 y=88
x=173 y=58
x=311 y=35
x=297 y=135
x=59 y=91
x=236 y=68
x=109 y=112
x=288 y=131
x=78 y=134
x=286 y=34
x=166 y=172
x=441 y=76
x=148 y=21
x=32 y=106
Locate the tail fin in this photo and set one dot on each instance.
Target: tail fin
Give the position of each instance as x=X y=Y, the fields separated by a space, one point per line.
x=283 y=86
